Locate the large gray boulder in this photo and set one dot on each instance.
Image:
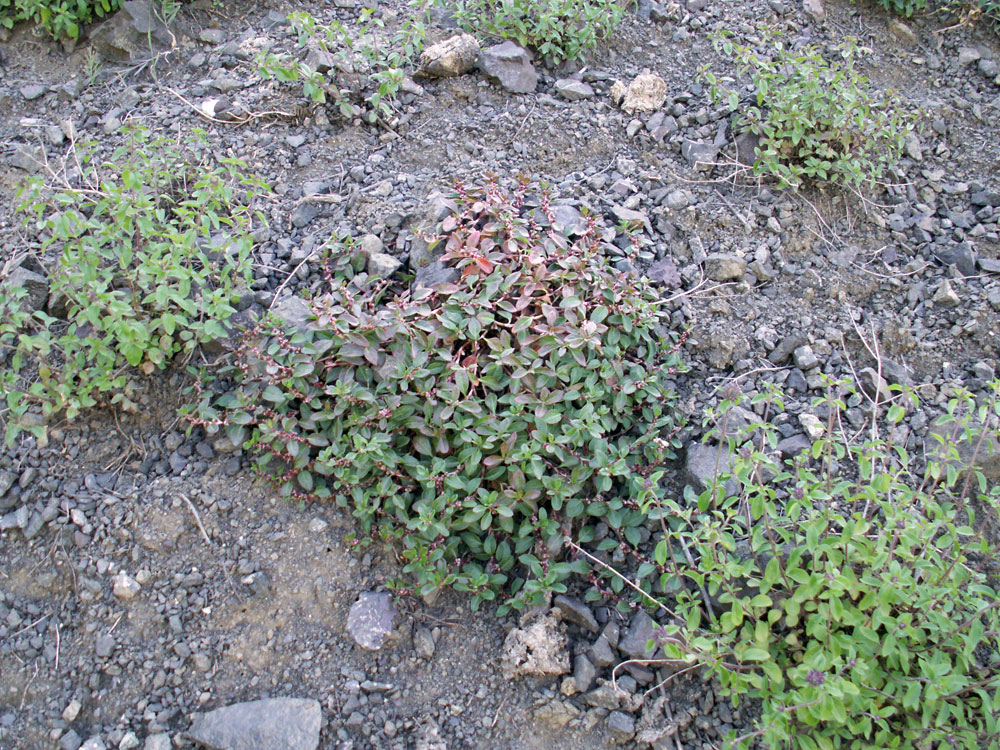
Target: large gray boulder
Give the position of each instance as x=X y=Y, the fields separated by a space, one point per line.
x=510 y=66
x=271 y=724
x=136 y=32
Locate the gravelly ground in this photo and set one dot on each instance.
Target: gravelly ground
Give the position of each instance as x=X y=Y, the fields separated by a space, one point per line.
x=243 y=595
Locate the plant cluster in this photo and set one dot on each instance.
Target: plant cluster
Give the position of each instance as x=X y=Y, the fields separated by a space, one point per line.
x=854 y=593
x=61 y=18
x=904 y=8
x=349 y=68
x=815 y=120
x=145 y=254
x=478 y=423
x=559 y=30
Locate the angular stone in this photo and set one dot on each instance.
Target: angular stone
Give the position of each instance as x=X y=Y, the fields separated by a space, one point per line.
x=621 y=727
x=36 y=286
x=125 y=587
x=631 y=218
x=665 y=272
x=33 y=91
x=576 y=611
x=699 y=154
x=646 y=93
x=270 y=724
x=780 y=354
x=510 y=66
x=135 y=32
x=945 y=296
x=423 y=643
x=584 y=673
x=635 y=643
x=573 y=90
x=814 y=10
x=451 y=57
x=371 y=619
x=959 y=255
x=725 y=267
x=31 y=159
x=382 y=265
x=805 y=358
x=703 y=463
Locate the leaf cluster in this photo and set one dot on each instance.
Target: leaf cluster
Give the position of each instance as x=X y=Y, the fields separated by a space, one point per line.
x=559 y=30
x=145 y=250
x=366 y=64
x=852 y=593
x=61 y=18
x=815 y=119
x=478 y=423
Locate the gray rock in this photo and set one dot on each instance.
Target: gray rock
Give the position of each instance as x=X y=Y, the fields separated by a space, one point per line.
x=621 y=727
x=780 y=354
x=632 y=218
x=903 y=32
x=94 y=743
x=665 y=272
x=989 y=265
x=567 y=219
x=270 y=724
x=699 y=154
x=6 y=482
x=33 y=91
x=635 y=644
x=510 y=66
x=814 y=10
x=104 y=645
x=434 y=274
x=989 y=68
x=896 y=372
x=967 y=56
x=133 y=33
x=36 y=286
x=574 y=90
x=702 y=462
x=725 y=267
x=874 y=384
x=125 y=587
x=157 y=742
x=793 y=446
x=805 y=358
x=945 y=295
x=31 y=159
x=212 y=36
x=584 y=673
x=70 y=741
x=646 y=93
x=423 y=643
x=303 y=214
x=959 y=255
x=451 y=57
x=576 y=611
x=371 y=619
x=600 y=652
x=382 y=265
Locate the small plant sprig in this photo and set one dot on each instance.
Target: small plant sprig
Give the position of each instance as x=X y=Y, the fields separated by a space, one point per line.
x=476 y=424
x=816 y=120
x=851 y=591
x=366 y=66
x=146 y=251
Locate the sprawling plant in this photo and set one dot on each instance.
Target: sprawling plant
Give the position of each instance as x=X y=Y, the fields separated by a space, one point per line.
x=559 y=30
x=477 y=423
x=815 y=119
x=146 y=248
x=851 y=590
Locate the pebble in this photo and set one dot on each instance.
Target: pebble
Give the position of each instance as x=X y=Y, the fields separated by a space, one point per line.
x=125 y=587
x=33 y=91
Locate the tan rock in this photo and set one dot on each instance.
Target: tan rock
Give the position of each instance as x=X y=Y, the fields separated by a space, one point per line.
x=452 y=57
x=646 y=93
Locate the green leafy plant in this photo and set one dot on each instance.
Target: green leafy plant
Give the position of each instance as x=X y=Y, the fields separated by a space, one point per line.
x=814 y=119
x=557 y=29
x=475 y=424
x=904 y=7
x=850 y=590
x=61 y=18
x=352 y=68
x=145 y=253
